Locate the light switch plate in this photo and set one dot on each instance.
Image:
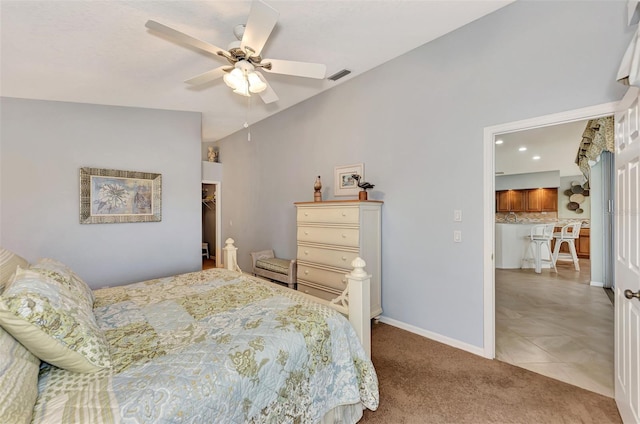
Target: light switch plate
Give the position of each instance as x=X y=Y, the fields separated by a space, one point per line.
x=457 y=215
x=457 y=236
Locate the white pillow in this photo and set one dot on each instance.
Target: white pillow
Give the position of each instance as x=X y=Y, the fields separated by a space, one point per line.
x=54 y=322
x=8 y=263
x=18 y=380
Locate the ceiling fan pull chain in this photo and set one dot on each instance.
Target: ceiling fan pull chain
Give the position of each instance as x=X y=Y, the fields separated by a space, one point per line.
x=246 y=120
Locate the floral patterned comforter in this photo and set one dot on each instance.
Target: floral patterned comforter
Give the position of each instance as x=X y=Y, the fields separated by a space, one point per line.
x=212 y=347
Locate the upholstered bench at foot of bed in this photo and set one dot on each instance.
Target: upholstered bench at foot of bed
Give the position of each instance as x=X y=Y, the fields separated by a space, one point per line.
x=266 y=265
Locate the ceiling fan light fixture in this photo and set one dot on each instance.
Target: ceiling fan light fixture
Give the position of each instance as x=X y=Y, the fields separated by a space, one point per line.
x=256 y=84
x=245 y=55
x=243 y=89
x=234 y=79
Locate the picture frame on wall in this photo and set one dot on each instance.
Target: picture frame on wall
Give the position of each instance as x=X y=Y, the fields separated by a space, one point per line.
x=344 y=183
x=110 y=196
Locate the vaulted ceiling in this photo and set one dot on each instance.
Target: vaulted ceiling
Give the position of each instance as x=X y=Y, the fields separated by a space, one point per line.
x=100 y=51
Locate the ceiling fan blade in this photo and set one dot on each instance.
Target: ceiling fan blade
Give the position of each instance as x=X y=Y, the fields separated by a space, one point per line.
x=208 y=76
x=262 y=20
x=298 y=69
x=183 y=38
x=268 y=95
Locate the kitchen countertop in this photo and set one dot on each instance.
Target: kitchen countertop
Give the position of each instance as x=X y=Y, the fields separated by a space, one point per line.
x=558 y=223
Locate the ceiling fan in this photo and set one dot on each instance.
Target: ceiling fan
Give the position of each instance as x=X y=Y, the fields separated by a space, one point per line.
x=244 y=55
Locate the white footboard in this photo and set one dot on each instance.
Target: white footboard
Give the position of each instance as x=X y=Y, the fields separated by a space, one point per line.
x=354 y=302
x=230 y=256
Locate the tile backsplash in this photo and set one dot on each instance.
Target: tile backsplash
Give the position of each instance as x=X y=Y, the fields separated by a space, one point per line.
x=535 y=217
x=527 y=217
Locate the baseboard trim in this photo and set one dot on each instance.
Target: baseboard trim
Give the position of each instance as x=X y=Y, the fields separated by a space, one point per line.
x=434 y=336
x=596 y=284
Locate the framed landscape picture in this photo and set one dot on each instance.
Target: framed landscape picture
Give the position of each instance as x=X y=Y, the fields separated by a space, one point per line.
x=345 y=184
x=110 y=196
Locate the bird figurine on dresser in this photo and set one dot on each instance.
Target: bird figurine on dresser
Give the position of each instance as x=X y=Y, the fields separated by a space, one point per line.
x=363 y=185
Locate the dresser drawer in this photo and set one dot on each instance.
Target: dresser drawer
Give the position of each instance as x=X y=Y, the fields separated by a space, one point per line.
x=332 y=215
x=330 y=279
x=329 y=257
x=338 y=236
x=313 y=291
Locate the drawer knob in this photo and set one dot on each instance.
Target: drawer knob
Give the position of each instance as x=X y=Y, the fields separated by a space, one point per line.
x=344 y=280
x=306 y=214
x=306 y=272
x=306 y=233
x=344 y=214
x=344 y=258
x=306 y=252
x=344 y=236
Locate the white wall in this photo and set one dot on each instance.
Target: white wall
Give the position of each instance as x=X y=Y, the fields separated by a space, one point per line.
x=44 y=144
x=211 y=171
x=529 y=180
x=417 y=124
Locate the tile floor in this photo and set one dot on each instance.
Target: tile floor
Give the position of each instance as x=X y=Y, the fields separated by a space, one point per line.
x=556 y=325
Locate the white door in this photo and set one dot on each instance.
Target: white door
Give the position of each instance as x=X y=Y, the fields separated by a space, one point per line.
x=627 y=257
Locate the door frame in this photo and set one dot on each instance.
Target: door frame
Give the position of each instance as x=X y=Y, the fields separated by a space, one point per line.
x=218 y=197
x=490 y=133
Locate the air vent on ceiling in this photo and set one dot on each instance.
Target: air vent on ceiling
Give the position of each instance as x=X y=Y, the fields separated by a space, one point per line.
x=339 y=74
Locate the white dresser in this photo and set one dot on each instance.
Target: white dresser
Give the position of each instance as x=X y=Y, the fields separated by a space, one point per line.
x=330 y=236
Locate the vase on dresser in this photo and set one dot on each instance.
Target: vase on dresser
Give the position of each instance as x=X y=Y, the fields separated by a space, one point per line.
x=330 y=235
x=317 y=194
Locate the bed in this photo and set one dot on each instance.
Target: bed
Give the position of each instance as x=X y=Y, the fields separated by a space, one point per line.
x=212 y=346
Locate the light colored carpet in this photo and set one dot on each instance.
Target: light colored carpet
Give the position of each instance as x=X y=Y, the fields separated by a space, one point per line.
x=423 y=381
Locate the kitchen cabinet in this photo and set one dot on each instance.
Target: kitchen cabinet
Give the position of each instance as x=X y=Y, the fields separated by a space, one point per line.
x=532 y=200
x=582 y=246
x=582 y=243
x=510 y=201
x=542 y=200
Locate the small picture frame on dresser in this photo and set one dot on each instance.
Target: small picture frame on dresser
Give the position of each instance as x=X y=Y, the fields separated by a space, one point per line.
x=345 y=184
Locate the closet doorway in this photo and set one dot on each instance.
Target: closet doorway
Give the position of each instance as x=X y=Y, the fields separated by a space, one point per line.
x=211 y=224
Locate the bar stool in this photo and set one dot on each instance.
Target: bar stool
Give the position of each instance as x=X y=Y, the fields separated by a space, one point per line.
x=540 y=235
x=205 y=250
x=568 y=234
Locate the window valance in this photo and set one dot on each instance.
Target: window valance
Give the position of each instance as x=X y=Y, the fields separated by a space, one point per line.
x=597 y=137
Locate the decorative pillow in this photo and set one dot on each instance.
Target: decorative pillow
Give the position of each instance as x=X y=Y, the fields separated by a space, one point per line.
x=18 y=380
x=8 y=263
x=65 y=276
x=281 y=266
x=54 y=323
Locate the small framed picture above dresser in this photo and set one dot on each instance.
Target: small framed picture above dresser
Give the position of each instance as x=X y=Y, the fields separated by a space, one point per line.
x=344 y=183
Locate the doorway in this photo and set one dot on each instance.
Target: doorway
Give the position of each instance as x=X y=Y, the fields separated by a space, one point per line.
x=493 y=279
x=211 y=224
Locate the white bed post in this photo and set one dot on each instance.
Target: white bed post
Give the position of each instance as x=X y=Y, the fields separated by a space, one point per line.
x=359 y=283
x=230 y=256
